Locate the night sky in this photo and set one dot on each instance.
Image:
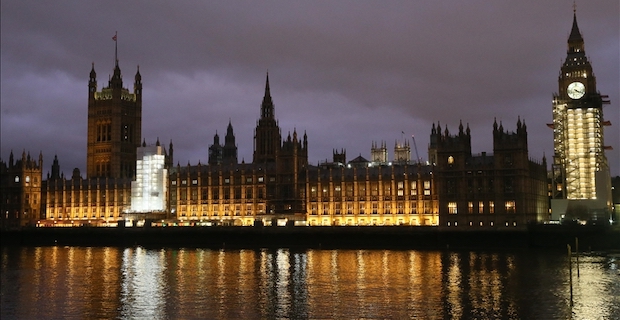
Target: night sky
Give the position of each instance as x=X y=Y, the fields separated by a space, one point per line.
x=346 y=72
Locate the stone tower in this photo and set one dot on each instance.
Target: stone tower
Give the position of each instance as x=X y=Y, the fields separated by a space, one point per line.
x=580 y=168
x=291 y=175
x=114 y=126
x=378 y=153
x=229 y=150
x=579 y=161
x=267 y=136
x=20 y=191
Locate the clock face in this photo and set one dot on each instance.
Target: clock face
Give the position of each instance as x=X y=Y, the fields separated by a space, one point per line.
x=576 y=90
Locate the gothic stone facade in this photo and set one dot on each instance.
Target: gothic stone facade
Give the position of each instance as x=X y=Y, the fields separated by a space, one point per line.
x=488 y=191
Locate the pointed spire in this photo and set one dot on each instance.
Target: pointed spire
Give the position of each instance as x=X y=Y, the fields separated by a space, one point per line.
x=267 y=107
x=575 y=41
x=157 y=143
x=216 y=138
x=575 y=35
x=93 y=74
x=267 y=90
x=229 y=129
x=305 y=142
x=137 y=86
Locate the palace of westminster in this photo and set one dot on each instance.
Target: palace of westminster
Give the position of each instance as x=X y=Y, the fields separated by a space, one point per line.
x=131 y=183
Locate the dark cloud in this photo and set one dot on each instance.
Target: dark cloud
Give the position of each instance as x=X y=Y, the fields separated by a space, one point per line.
x=346 y=72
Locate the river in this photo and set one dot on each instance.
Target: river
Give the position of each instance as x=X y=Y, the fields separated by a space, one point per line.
x=194 y=283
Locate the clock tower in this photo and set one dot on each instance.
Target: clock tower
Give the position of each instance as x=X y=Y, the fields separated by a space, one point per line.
x=580 y=169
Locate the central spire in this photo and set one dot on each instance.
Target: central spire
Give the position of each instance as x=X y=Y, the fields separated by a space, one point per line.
x=267 y=107
x=267 y=138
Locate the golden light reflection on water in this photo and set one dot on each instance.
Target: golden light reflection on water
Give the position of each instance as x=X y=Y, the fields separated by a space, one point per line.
x=66 y=282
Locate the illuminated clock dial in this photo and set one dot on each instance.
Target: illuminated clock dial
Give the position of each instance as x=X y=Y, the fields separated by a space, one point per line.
x=576 y=90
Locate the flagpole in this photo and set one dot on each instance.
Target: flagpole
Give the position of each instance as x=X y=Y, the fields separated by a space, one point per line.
x=115 y=48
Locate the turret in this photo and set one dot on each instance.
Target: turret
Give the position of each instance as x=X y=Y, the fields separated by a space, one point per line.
x=229 y=151
x=137 y=85
x=116 y=82
x=55 y=169
x=92 y=83
x=215 y=151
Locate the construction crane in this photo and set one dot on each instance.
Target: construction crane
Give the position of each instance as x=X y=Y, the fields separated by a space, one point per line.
x=416 y=149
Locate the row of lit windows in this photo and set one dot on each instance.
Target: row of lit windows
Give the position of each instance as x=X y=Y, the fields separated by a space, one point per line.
x=575 y=74
x=351 y=207
x=249 y=180
x=82 y=210
x=217 y=195
x=76 y=197
x=369 y=222
x=67 y=213
x=509 y=207
x=373 y=212
x=223 y=210
x=35 y=180
x=480 y=224
x=374 y=189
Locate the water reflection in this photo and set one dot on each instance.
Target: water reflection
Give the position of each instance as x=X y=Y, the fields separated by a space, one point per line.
x=76 y=282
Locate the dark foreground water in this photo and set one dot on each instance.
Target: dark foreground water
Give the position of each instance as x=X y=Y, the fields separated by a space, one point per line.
x=138 y=283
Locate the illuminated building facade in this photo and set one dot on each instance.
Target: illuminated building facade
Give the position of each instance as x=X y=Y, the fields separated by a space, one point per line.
x=75 y=201
x=20 y=191
x=581 y=179
x=149 y=190
x=78 y=201
x=363 y=193
x=279 y=186
x=488 y=191
x=269 y=191
x=114 y=133
x=402 y=152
